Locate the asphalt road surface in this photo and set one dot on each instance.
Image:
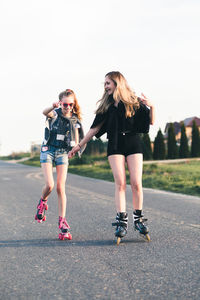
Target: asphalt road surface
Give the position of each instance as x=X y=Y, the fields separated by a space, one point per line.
x=36 y=265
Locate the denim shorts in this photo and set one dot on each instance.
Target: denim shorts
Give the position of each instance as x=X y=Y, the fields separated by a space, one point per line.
x=50 y=154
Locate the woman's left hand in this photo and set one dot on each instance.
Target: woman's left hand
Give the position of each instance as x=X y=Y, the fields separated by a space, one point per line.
x=73 y=151
x=145 y=100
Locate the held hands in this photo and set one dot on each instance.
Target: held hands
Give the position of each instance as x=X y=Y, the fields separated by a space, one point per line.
x=145 y=100
x=73 y=151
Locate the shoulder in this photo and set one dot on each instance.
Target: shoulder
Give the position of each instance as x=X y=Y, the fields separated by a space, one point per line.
x=58 y=111
x=75 y=121
x=142 y=107
x=100 y=118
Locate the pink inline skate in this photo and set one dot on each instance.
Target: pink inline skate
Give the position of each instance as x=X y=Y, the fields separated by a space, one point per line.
x=64 y=228
x=41 y=208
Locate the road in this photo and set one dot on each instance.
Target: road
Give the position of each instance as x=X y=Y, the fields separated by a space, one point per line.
x=36 y=265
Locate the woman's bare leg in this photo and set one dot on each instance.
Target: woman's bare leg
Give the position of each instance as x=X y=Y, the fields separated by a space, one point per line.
x=135 y=165
x=117 y=163
x=49 y=181
x=61 y=179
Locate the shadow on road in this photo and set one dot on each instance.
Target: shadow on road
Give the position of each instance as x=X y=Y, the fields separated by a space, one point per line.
x=58 y=243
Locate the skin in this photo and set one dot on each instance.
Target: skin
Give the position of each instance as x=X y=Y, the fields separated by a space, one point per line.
x=117 y=162
x=60 y=169
x=109 y=85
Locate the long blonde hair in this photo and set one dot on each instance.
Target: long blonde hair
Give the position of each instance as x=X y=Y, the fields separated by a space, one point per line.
x=122 y=92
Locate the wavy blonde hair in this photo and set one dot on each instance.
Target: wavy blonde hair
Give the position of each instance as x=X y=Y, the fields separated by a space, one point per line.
x=122 y=92
x=76 y=107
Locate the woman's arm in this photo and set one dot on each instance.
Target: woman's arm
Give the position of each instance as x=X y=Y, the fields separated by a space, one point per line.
x=147 y=102
x=48 y=112
x=76 y=136
x=92 y=132
x=152 y=115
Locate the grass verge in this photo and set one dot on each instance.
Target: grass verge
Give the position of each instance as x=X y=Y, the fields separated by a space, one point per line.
x=176 y=177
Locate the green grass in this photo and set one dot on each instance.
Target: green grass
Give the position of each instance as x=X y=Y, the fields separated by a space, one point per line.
x=16 y=156
x=180 y=177
x=33 y=161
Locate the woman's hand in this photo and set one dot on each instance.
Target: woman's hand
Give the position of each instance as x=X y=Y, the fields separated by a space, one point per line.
x=56 y=104
x=145 y=100
x=48 y=112
x=73 y=151
x=84 y=141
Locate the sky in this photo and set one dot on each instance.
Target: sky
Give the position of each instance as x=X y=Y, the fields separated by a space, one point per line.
x=48 y=46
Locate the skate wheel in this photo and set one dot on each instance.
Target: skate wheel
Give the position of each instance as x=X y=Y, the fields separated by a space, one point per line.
x=44 y=218
x=35 y=217
x=61 y=237
x=147 y=237
x=118 y=241
x=69 y=236
x=46 y=207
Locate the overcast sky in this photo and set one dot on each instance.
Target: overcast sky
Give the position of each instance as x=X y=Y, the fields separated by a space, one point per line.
x=48 y=46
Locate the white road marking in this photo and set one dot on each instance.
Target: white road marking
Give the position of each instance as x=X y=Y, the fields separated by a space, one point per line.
x=5 y=178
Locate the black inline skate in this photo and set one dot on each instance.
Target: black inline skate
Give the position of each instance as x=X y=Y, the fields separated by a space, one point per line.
x=121 y=225
x=138 y=223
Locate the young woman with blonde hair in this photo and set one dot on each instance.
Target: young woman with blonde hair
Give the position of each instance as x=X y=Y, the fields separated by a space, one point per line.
x=123 y=116
x=63 y=131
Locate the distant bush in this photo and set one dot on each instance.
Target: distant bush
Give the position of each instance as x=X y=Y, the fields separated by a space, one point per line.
x=147 y=150
x=83 y=160
x=159 y=146
x=16 y=155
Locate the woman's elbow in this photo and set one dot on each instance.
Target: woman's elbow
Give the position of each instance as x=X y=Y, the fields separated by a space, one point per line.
x=95 y=130
x=152 y=122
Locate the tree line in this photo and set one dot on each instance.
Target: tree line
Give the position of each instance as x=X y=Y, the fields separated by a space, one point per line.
x=160 y=148
x=169 y=148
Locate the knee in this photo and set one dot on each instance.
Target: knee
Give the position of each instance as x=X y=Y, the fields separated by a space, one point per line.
x=50 y=186
x=121 y=186
x=136 y=185
x=60 y=188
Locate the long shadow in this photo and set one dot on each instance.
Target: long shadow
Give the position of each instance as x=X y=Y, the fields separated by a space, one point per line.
x=66 y=243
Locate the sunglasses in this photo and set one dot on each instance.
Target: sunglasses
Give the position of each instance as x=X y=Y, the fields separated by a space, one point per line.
x=67 y=104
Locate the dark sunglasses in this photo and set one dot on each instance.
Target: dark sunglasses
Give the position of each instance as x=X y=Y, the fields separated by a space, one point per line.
x=67 y=104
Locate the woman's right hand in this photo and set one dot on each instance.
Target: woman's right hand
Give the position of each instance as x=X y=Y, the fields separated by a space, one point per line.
x=56 y=104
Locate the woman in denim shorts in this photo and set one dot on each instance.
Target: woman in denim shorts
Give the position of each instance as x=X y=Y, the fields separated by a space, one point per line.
x=63 y=131
x=123 y=116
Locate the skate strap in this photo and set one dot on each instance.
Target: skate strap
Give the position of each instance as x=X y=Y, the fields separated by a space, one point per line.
x=119 y=223
x=41 y=206
x=140 y=219
x=64 y=222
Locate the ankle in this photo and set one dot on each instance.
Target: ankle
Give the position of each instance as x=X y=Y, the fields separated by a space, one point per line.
x=137 y=212
x=44 y=200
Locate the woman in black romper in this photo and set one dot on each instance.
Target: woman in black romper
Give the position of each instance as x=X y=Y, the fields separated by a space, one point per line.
x=123 y=116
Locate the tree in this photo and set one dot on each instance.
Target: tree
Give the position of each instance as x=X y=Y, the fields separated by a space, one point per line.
x=172 y=149
x=95 y=147
x=147 y=150
x=195 y=148
x=159 y=146
x=184 y=149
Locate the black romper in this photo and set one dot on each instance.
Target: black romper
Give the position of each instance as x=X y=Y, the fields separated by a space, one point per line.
x=123 y=133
